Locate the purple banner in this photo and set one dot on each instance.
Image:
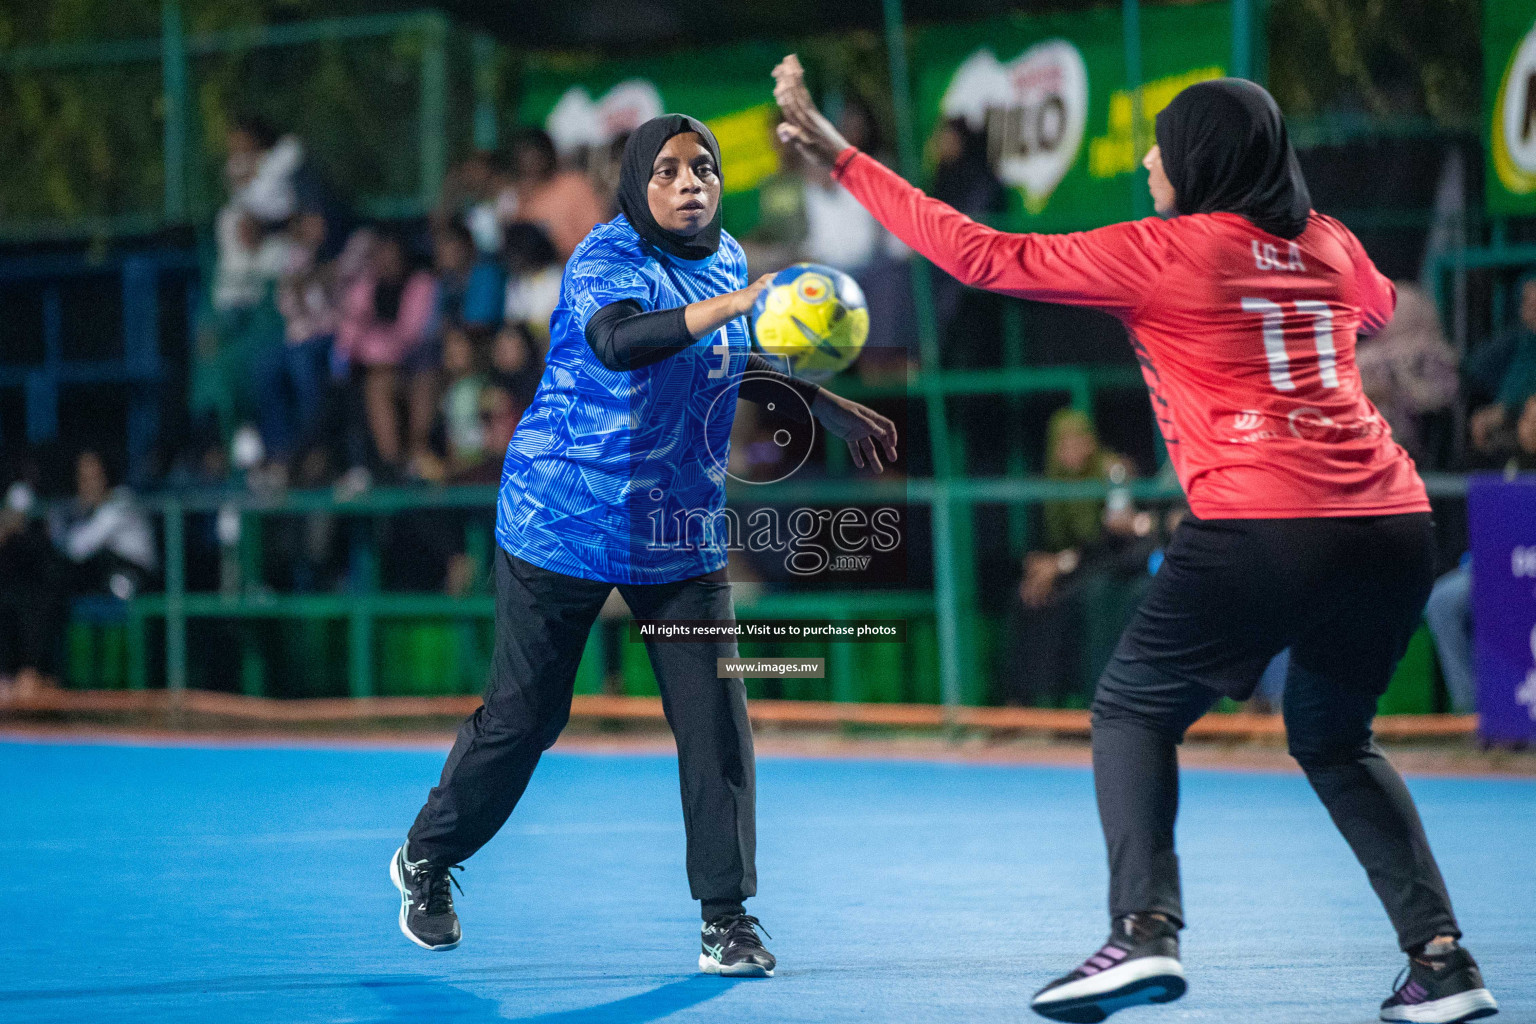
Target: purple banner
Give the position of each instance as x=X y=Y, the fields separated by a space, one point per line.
x=1502 y=527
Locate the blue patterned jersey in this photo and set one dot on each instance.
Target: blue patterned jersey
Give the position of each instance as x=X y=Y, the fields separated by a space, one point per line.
x=617 y=475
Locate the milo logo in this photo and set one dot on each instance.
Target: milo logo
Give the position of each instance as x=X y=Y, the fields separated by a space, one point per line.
x=1513 y=132
x=1033 y=109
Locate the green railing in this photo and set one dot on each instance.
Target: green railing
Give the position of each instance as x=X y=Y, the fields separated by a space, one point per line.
x=365 y=605
x=948 y=495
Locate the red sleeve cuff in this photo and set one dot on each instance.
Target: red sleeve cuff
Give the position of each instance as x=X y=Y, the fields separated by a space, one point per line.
x=843 y=160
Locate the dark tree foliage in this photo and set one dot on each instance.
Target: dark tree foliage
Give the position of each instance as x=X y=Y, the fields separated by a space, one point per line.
x=87 y=141
x=1380 y=57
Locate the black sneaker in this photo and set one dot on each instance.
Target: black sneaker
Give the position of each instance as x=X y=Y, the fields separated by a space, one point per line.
x=1441 y=989
x=426 y=901
x=1138 y=963
x=731 y=947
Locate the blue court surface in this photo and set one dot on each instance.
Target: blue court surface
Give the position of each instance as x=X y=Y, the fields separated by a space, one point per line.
x=165 y=884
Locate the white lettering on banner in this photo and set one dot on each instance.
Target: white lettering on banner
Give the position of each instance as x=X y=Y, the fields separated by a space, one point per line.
x=1033 y=109
x=1522 y=561
x=1526 y=694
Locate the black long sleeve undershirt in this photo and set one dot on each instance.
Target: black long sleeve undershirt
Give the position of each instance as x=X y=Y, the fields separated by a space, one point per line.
x=624 y=336
x=761 y=385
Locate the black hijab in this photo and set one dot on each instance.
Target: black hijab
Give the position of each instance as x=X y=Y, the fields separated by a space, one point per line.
x=1225 y=147
x=635 y=177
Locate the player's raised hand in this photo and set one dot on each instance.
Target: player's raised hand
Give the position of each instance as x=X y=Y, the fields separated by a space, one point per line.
x=859 y=425
x=803 y=126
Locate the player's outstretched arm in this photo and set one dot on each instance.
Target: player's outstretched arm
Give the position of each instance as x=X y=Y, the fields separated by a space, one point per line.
x=958 y=245
x=709 y=315
x=858 y=425
x=625 y=336
x=1112 y=268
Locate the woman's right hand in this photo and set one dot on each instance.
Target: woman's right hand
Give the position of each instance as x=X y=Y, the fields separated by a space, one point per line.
x=746 y=298
x=804 y=127
x=708 y=315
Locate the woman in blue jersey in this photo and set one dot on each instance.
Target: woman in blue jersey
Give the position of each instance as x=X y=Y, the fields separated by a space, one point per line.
x=621 y=451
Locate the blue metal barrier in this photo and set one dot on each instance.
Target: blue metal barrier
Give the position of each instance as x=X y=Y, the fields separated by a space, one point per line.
x=139 y=368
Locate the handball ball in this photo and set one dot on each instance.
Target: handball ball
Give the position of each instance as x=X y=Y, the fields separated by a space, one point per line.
x=812 y=318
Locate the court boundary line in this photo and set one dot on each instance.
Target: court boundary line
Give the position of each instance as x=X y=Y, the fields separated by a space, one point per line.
x=1248 y=759
x=1239 y=726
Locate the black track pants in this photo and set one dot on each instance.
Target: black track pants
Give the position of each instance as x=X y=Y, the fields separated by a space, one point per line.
x=542 y=622
x=1345 y=596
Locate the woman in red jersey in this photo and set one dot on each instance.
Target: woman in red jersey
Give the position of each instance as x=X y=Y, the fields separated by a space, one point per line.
x=1310 y=528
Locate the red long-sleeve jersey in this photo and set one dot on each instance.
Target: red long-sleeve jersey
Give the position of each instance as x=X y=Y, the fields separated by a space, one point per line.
x=1246 y=341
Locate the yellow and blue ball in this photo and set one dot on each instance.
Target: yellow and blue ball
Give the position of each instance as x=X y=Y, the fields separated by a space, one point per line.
x=813 y=319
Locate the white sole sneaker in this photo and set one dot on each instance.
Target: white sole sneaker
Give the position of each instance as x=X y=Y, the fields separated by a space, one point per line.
x=1148 y=979
x=709 y=965
x=405 y=901
x=1470 y=1005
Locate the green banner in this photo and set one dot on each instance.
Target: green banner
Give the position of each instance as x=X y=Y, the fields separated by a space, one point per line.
x=585 y=102
x=1050 y=93
x=1509 y=90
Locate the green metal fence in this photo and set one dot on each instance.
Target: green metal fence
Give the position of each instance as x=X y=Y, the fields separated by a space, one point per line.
x=197 y=73
x=365 y=606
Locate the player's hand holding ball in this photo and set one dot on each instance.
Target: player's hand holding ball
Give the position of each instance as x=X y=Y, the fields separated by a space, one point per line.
x=747 y=297
x=804 y=127
x=859 y=425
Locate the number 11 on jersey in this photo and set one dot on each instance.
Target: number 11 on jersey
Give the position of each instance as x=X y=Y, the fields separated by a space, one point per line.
x=1273 y=314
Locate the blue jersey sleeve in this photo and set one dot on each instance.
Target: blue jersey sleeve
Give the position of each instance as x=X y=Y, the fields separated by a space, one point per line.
x=603 y=276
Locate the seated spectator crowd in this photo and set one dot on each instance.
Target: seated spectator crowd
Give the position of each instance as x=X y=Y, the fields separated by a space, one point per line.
x=339 y=352
x=334 y=352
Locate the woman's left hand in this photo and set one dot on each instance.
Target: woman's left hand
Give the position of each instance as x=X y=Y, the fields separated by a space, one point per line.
x=803 y=126
x=859 y=425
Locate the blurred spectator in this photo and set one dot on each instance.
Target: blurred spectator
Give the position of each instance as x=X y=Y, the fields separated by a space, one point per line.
x=500 y=412
x=292 y=378
x=482 y=193
x=463 y=431
x=31 y=593
x=105 y=536
x=471 y=290
x=385 y=318
x=963 y=178
x=1408 y=369
x=1091 y=547
x=562 y=202
x=840 y=232
x=267 y=166
x=1502 y=374
x=604 y=165
x=517 y=363
x=778 y=238
x=533 y=280
x=471 y=285
x=1512 y=447
x=1449 y=615
x=242 y=321
x=428 y=546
